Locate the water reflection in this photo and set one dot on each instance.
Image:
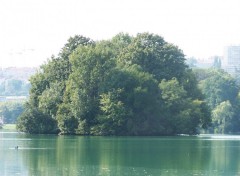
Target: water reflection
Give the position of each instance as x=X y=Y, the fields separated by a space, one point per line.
x=77 y=155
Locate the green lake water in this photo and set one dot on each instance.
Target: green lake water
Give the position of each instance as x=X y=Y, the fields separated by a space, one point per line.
x=50 y=155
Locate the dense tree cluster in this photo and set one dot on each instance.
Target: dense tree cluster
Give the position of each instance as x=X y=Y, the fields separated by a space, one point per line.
x=14 y=87
x=222 y=95
x=123 y=86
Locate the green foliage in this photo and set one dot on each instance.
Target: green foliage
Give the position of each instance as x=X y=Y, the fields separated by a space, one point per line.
x=50 y=98
x=137 y=100
x=123 y=86
x=183 y=114
x=113 y=113
x=47 y=90
x=222 y=117
x=219 y=87
x=91 y=65
x=172 y=92
x=221 y=92
x=67 y=123
x=34 y=121
x=157 y=57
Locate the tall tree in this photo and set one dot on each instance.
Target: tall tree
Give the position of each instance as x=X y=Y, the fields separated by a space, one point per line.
x=223 y=117
x=90 y=65
x=48 y=87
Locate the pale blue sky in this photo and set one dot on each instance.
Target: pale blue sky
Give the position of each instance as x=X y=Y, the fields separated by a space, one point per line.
x=32 y=30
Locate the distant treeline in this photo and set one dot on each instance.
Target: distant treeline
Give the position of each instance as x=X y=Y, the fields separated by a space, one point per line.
x=14 y=87
x=10 y=111
x=14 y=81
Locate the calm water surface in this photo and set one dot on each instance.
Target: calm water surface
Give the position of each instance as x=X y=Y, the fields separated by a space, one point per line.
x=50 y=155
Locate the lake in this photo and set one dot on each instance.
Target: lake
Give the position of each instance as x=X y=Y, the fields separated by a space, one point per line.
x=50 y=155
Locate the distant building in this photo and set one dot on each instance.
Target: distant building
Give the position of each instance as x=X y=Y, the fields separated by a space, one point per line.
x=211 y=62
x=231 y=59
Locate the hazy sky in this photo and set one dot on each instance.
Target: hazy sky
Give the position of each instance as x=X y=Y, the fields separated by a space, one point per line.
x=32 y=30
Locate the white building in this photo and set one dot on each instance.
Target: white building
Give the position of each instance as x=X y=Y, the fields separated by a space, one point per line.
x=231 y=59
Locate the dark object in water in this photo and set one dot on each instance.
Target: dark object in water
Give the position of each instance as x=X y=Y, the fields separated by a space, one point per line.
x=16 y=147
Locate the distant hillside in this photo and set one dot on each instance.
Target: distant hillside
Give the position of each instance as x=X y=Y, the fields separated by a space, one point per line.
x=22 y=73
x=15 y=81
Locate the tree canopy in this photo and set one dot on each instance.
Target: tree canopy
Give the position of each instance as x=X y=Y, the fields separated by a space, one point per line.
x=221 y=93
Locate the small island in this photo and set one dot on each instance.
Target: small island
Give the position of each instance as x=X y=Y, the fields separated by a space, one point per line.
x=128 y=85
x=123 y=86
